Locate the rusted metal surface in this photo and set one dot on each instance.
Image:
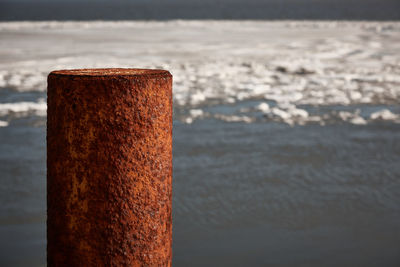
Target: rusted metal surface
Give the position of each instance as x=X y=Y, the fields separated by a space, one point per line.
x=109 y=168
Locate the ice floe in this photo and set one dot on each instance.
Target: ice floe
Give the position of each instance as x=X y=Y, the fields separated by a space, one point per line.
x=3 y=123
x=384 y=115
x=288 y=66
x=22 y=108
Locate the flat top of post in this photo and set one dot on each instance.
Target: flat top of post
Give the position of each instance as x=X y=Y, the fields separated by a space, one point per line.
x=151 y=73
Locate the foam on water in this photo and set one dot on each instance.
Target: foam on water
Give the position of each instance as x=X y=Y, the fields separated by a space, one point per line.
x=290 y=67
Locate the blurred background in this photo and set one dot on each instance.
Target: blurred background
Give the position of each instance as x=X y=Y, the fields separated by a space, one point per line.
x=286 y=122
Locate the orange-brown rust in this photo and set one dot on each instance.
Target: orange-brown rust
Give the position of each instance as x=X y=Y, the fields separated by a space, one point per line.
x=109 y=168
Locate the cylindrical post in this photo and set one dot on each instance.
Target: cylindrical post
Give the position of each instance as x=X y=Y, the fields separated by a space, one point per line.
x=109 y=167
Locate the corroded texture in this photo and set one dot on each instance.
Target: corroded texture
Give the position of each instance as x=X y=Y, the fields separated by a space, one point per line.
x=109 y=168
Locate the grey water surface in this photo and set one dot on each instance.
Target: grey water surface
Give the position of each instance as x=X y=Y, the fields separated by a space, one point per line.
x=260 y=194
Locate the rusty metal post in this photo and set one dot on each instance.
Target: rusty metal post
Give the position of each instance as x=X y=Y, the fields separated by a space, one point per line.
x=109 y=167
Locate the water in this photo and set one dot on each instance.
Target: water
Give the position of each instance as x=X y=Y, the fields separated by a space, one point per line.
x=383 y=10
x=286 y=143
x=267 y=194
